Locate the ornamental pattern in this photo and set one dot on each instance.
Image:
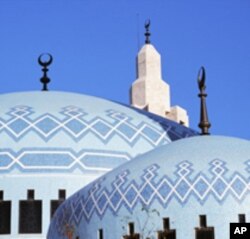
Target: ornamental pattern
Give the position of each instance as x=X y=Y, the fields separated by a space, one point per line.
x=217 y=183
x=60 y=160
x=76 y=123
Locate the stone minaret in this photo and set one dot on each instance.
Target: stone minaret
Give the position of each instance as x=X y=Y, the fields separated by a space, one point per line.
x=149 y=91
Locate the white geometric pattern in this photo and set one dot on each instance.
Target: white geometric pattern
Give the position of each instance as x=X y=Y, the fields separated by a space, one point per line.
x=60 y=159
x=127 y=193
x=76 y=126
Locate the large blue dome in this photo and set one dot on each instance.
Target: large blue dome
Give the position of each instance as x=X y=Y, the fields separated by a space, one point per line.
x=204 y=175
x=68 y=139
x=76 y=132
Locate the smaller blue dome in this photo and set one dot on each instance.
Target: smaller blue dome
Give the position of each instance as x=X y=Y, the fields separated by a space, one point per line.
x=204 y=175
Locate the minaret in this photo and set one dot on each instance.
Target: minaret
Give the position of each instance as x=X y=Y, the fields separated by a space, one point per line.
x=149 y=91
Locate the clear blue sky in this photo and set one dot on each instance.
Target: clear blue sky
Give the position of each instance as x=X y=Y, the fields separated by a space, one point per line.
x=95 y=42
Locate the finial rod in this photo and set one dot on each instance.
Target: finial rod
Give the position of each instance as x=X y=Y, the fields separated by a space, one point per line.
x=45 y=79
x=147 y=33
x=204 y=124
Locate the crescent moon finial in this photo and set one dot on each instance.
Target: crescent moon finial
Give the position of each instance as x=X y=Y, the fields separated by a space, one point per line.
x=147 y=33
x=45 y=63
x=147 y=24
x=202 y=79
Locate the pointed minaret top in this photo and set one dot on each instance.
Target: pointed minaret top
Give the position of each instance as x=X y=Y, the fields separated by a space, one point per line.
x=147 y=33
x=149 y=91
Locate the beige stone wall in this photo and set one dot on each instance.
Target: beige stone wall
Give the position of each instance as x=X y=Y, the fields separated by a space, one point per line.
x=149 y=91
x=179 y=115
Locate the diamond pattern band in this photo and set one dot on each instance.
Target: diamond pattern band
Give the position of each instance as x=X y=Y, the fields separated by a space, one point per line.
x=126 y=193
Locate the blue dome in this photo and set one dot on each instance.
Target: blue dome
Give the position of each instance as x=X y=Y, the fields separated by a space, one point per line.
x=204 y=175
x=76 y=132
x=68 y=139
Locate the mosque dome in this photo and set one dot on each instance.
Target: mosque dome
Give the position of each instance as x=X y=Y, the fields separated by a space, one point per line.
x=80 y=127
x=204 y=177
x=68 y=139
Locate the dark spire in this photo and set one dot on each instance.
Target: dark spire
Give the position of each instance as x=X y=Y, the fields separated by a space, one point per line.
x=204 y=124
x=147 y=33
x=45 y=79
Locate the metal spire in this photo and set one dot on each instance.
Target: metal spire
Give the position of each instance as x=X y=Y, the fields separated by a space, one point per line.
x=204 y=124
x=147 y=33
x=45 y=79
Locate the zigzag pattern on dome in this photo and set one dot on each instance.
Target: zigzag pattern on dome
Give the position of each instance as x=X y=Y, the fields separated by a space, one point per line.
x=73 y=123
x=60 y=160
x=129 y=193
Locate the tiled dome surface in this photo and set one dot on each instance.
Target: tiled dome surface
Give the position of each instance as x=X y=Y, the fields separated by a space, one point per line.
x=66 y=132
x=182 y=180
